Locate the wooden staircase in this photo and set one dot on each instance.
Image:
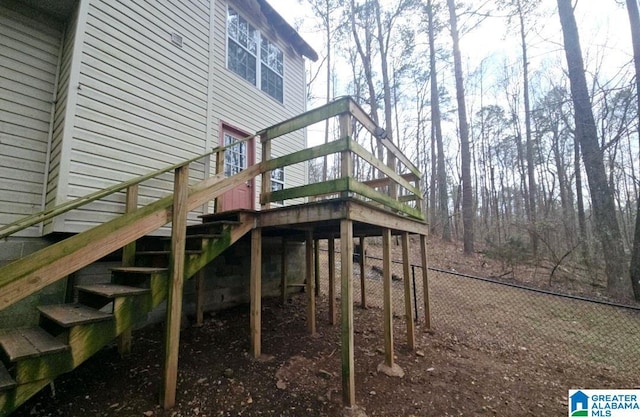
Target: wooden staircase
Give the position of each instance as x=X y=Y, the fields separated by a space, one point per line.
x=69 y=334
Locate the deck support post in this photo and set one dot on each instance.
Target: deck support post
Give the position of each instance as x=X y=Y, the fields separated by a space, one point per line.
x=425 y=282
x=316 y=271
x=174 y=297
x=128 y=259
x=200 y=298
x=311 y=293
x=346 y=305
x=388 y=367
x=283 y=270
x=408 y=306
x=332 y=281
x=363 y=287
x=387 y=298
x=255 y=292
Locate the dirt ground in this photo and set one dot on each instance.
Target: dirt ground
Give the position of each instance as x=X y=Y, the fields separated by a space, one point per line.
x=448 y=374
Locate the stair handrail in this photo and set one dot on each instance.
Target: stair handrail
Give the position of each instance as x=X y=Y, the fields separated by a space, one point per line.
x=46 y=214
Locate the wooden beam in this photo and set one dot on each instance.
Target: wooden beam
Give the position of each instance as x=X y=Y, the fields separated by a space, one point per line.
x=425 y=281
x=176 y=275
x=346 y=300
x=316 y=264
x=385 y=200
x=370 y=125
x=255 y=292
x=319 y=188
x=387 y=315
x=200 y=293
x=408 y=305
x=393 y=177
x=283 y=270
x=128 y=259
x=332 y=281
x=384 y=181
x=311 y=293
x=363 y=275
x=327 y=111
x=367 y=213
x=307 y=154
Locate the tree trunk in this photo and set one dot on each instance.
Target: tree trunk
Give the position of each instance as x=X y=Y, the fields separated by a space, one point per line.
x=529 y=141
x=634 y=21
x=606 y=225
x=443 y=195
x=465 y=153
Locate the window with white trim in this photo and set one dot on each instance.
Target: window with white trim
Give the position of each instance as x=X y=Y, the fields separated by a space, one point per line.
x=243 y=56
x=277 y=181
x=235 y=157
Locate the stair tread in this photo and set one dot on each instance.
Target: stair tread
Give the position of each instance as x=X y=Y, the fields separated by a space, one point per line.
x=225 y=215
x=166 y=252
x=26 y=343
x=6 y=382
x=68 y=315
x=112 y=290
x=138 y=269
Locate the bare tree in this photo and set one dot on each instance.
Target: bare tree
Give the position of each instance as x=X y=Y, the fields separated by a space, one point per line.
x=634 y=21
x=606 y=225
x=465 y=151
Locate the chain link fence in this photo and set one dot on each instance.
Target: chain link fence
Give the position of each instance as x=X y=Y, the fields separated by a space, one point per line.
x=497 y=316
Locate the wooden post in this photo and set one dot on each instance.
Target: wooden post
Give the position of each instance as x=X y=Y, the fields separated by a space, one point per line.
x=346 y=164
x=346 y=300
x=255 y=291
x=425 y=281
x=266 y=176
x=128 y=259
x=176 y=275
x=129 y=251
x=311 y=293
x=332 y=281
x=200 y=298
x=219 y=170
x=363 y=262
x=283 y=270
x=316 y=257
x=387 y=314
x=408 y=306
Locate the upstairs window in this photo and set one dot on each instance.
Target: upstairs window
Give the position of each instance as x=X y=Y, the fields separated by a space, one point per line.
x=243 y=56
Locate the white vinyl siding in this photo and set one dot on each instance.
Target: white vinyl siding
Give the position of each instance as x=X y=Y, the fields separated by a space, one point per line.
x=140 y=105
x=29 y=53
x=242 y=105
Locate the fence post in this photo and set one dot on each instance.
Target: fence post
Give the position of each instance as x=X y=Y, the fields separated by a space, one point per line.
x=425 y=281
x=387 y=315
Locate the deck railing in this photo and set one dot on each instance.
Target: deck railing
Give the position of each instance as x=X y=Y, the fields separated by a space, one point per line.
x=31 y=273
x=393 y=189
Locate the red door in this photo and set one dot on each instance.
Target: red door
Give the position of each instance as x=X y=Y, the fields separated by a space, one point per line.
x=236 y=159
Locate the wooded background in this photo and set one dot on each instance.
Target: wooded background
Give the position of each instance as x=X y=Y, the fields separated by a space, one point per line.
x=530 y=154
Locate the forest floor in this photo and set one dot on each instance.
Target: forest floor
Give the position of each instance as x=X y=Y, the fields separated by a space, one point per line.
x=454 y=371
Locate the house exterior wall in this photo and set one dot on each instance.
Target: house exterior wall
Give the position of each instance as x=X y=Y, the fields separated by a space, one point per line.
x=29 y=51
x=244 y=106
x=137 y=102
